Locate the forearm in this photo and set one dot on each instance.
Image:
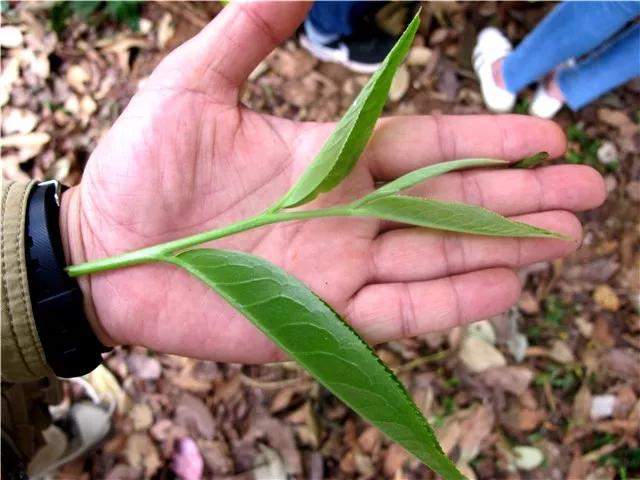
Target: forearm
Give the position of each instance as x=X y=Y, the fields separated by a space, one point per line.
x=22 y=353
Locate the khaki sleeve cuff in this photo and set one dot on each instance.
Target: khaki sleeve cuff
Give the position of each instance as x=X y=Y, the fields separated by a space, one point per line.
x=22 y=354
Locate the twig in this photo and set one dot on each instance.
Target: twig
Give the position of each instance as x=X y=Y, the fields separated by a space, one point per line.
x=187 y=12
x=416 y=362
x=273 y=385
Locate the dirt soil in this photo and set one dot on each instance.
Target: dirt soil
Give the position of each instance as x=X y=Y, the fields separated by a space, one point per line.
x=555 y=397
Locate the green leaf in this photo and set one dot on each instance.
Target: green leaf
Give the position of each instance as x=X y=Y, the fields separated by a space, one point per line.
x=84 y=9
x=345 y=145
x=454 y=217
x=532 y=161
x=127 y=12
x=417 y=176
x=308 y=330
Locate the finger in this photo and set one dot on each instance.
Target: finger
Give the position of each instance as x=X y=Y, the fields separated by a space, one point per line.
x=412 y=254
x=403 y=144
x=219 y=59
x=514 y=192
x=388 y=311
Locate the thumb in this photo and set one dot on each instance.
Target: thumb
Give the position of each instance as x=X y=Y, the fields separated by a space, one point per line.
x=219 y=59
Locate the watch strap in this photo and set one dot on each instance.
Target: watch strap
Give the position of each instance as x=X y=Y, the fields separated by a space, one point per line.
x=69 y=343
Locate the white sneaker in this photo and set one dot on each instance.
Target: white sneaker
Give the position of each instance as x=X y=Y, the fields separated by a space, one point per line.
x=492 y=45
x=544 y=105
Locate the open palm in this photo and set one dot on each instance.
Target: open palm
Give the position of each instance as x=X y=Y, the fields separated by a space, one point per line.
x=185 y=157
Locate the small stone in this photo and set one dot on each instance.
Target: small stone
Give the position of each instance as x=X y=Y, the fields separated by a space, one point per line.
x=602 y=406
x=608 y=153
x=527 y=458
x=419 y=56
x=479 y=355
x=606 y=298
x=399 y=84
x=10 y=36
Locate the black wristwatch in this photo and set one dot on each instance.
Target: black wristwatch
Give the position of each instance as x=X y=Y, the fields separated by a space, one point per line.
x=69 y=343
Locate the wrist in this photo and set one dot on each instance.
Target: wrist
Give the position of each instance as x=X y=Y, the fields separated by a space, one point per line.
x=74 y=252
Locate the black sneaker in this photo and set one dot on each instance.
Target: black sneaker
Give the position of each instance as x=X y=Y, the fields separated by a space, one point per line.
x=375 y=31
x=362 y=52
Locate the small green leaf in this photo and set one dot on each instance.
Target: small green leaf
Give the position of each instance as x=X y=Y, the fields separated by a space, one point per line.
x=454 y=217
x=345 y=145
x=417 y=176
x=532 y=161
x=308 y=330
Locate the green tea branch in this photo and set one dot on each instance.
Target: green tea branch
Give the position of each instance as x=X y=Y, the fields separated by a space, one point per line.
x=295 y=318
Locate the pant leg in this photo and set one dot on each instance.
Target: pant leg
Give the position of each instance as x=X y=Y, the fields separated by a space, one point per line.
x=570 y=30
x=337 y=18
x=603 y=71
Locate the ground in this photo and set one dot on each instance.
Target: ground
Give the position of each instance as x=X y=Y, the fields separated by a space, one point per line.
x=548 y=390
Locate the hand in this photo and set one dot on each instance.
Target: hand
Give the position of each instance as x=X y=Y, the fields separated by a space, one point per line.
x=185 y=157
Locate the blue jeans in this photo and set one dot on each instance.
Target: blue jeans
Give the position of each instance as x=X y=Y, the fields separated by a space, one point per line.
x=572 y=30
x=337 y=19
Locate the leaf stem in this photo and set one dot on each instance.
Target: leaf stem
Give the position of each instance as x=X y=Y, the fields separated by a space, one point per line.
x=161 y=251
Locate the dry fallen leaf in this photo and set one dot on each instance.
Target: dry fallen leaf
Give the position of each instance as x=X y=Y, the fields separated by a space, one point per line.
x=193 y=414
x=582 y=405
x=449 y=434
x=606 y=298
x=615 y=118
x=561 y=353
x=10 y=36
x=478 y=355
x=187 y=461
x=144 y=367
x=483 y=330
x=78 y=77
x=17 y=120
x=527 y=457
x=394 y=459
x=166 y=30
x=602 y=406
x=29 y=140
x=295 y=64
x=141 y=416
x=399 y=84
x=419 y=56
x=475 y=430
x=511 y=378
x=140 y=452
